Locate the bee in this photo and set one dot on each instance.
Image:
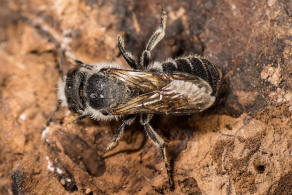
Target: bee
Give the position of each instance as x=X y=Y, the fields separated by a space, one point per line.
x=105 y=91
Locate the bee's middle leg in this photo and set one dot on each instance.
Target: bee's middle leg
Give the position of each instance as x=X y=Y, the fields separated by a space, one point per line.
x=130 y=59
x=119 y=132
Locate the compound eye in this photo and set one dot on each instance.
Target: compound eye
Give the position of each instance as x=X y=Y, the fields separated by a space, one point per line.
x=105 y=113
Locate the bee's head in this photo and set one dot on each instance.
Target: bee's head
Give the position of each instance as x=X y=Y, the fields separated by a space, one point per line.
x=89 y=90
x=70 y=91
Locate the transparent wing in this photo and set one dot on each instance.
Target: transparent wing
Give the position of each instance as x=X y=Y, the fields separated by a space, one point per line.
x=139 y=80
x=176 y=93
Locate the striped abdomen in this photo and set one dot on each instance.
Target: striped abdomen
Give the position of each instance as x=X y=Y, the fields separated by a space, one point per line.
x=193 y=65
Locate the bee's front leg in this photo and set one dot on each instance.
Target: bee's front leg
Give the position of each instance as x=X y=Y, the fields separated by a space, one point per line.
x=81 y=117
x=50 y=118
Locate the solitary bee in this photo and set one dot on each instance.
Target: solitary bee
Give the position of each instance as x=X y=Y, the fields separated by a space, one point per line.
x=105 y=91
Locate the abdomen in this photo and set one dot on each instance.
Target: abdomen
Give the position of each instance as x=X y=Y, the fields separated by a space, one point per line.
x=194 y=65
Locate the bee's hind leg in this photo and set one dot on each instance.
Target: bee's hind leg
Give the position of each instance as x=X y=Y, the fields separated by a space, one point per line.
x=127 y=121
x=155 y=38
x=158 y=141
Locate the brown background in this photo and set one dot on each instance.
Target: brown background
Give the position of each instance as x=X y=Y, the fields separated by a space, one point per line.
x=242 y=145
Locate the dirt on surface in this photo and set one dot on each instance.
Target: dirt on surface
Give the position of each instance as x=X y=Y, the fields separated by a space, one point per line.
x=241 y=145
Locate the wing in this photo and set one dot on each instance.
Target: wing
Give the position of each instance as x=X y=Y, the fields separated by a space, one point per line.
x=139 y=80
x=175 y=93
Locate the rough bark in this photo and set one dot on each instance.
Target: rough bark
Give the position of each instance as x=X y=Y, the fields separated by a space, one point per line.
x=242 y=145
